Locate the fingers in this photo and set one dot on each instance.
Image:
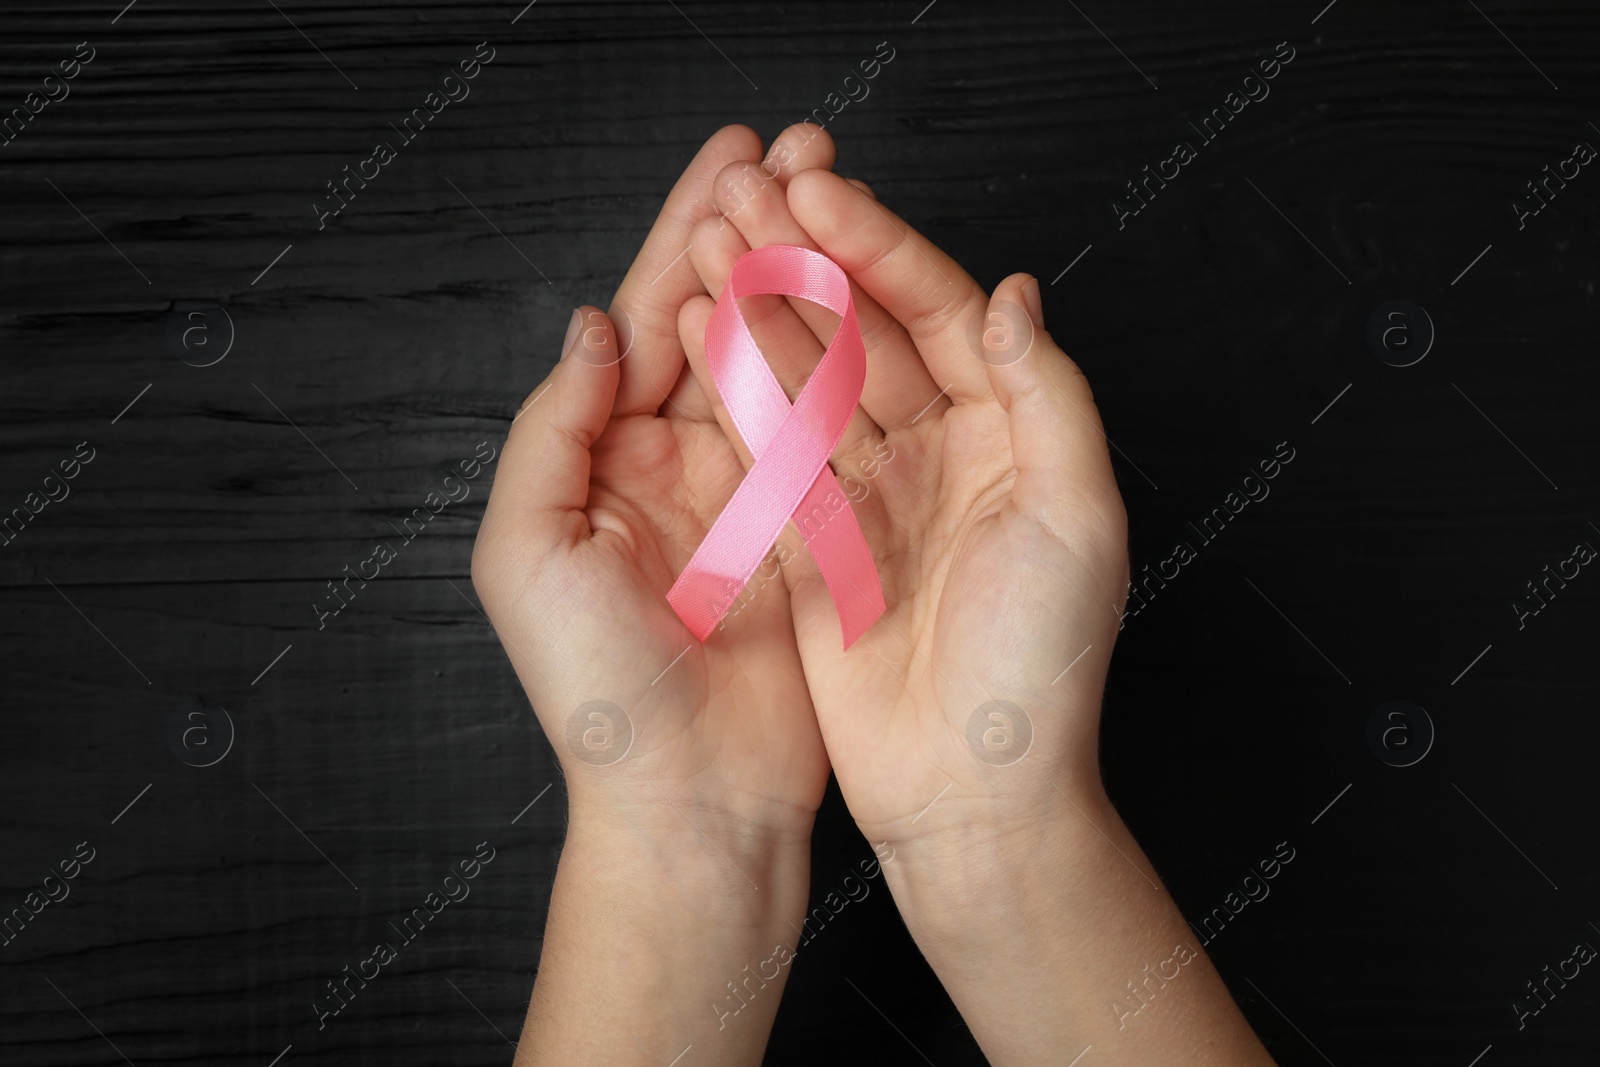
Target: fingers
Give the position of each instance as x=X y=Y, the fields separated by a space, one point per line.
x=898 y=384
x=542 y=485
x=1058 y=446
x=937 y=302
x=803 y=146
x=692 y=334
x=660 y=280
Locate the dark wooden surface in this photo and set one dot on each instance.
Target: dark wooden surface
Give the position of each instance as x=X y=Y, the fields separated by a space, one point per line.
x=191 y=548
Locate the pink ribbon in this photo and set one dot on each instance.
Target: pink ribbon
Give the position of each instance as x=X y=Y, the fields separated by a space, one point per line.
x=790 y=478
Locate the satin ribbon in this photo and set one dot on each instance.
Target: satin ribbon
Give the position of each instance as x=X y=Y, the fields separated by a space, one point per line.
x=790 y=479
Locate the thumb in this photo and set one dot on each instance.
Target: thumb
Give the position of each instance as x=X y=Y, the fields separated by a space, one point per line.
x=542 y=484
x=1058 y=445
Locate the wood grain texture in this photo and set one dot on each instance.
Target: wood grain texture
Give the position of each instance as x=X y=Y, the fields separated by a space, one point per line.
x=1221 y=320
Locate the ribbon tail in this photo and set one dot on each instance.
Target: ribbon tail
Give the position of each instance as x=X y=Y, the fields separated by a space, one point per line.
x=835 y=541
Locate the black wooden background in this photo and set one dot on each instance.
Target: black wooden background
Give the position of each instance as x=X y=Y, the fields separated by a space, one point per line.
x=172 y=589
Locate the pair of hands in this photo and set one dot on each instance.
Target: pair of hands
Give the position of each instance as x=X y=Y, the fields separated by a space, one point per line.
x=962 y=726
x=986 y=496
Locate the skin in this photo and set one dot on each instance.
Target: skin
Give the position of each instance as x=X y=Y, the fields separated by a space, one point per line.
x=962 y=727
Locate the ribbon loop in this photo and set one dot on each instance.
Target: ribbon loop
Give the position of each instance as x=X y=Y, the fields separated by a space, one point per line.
x=790 y=478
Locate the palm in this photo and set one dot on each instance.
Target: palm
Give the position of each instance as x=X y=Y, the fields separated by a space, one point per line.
x=737 y=708
x=588 y=622
x=976 y=590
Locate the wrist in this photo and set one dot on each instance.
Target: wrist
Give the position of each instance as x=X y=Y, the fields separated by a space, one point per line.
x=671 y=909
x=711 y=858
x=969 y=880
x=1055 y=934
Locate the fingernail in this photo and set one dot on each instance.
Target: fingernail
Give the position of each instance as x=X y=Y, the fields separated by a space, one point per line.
x=572 y=334
x=1030 y=299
